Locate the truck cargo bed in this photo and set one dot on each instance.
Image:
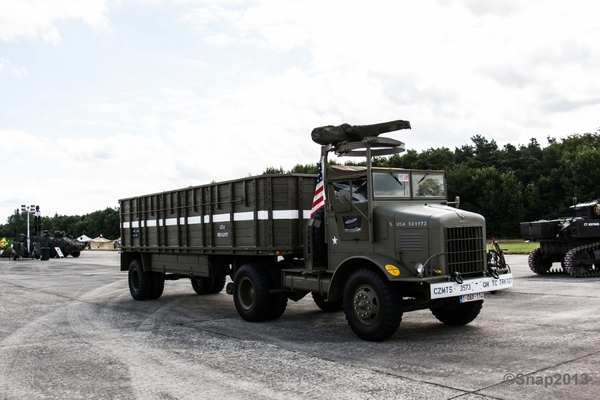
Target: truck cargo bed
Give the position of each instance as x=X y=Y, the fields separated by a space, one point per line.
x=253 y=215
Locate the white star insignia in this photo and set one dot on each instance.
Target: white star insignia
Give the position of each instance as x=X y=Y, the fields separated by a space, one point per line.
x=334 y=240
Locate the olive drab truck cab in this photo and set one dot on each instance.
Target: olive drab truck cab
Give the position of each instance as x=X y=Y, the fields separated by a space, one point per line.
x=373 y=242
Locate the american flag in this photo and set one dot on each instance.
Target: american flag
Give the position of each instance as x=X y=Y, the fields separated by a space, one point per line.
x=319 y=198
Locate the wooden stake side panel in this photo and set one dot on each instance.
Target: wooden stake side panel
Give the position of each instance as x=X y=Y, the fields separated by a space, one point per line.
x=246 y=216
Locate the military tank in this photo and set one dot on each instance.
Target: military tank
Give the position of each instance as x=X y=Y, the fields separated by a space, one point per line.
x=67 y=245
x=572 y=241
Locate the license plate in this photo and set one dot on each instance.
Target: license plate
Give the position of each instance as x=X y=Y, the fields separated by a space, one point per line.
x=470 y=286
x=471 y=297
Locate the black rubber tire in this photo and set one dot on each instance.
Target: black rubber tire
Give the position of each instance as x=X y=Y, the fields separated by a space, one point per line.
x=140 y=281
x=157 y=286
x=373 y=305
x=319 y=243
x=278 y=306
x=218 y=284
x=327 y=306
x=278 y=299
x=202 y=285
x=251 y=293
x=537 y=263
x=76 y=254
x=456 y=313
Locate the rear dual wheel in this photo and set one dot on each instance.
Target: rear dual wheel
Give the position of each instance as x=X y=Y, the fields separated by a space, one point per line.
x=252 y=295
x=202 y=285
x=144 y=284
x=157 y=285
x=208 y=285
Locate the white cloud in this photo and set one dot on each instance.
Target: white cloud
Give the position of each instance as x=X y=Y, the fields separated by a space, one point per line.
x=185 y=92
x=15 y=71
x=39 y=18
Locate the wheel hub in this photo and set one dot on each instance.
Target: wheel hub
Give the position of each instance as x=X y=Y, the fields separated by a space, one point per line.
x=365 y=304
x=246 y=293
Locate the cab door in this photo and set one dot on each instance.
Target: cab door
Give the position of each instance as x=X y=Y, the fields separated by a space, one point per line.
x=350 y=204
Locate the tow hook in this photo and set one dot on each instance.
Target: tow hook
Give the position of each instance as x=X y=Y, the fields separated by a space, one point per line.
x=457 y=278
x=494 y=272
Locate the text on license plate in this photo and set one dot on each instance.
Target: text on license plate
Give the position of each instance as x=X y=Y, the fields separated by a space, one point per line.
x=471 y=297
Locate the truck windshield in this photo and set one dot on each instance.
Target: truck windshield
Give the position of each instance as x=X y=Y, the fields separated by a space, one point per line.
x=428 y=184
x=391 y=184
x=408 y=184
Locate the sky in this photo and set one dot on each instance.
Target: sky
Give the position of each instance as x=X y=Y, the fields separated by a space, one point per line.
x=107 y=99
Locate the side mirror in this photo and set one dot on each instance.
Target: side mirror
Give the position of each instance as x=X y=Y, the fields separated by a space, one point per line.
x=456 y=202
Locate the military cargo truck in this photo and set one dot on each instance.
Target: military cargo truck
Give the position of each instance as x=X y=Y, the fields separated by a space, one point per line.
x=375 y=242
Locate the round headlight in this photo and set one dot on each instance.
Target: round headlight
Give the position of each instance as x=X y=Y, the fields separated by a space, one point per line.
x=420 y=269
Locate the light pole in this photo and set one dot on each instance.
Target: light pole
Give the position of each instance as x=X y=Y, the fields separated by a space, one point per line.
x=32 y=209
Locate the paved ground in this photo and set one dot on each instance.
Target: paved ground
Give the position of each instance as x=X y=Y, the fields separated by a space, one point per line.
x=69 y=329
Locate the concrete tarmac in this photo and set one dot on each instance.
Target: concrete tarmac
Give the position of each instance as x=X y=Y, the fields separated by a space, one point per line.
x=69 y=329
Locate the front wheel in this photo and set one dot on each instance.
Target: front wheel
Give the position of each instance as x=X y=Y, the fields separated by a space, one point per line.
x=373 y=305
x=456 y=313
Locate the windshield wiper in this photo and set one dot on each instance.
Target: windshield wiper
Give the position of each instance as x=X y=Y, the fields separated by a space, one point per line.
x=424 y=176
x=396 y=178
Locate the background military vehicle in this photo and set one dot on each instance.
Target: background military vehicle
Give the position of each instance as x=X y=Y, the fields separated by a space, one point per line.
x=46 y=243
x=572 y=241
x=375 y=242
x=67 y=245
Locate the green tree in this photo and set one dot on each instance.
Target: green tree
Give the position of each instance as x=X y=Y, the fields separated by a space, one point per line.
x=461 y=184
x=440 y=159
x=15 y=224
x=499 y=200
x=105 y=222
x=305 y=169
x=273 y=171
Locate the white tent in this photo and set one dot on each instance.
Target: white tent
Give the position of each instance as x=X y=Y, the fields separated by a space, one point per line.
x=84 y=238
x=101 y=243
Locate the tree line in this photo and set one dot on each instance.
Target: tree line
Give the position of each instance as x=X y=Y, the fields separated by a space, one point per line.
x=506 y=185
x=105 y=223
x=511 y=184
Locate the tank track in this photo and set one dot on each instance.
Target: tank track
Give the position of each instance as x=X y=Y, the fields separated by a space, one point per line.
x=578 y=262
x=540 y=266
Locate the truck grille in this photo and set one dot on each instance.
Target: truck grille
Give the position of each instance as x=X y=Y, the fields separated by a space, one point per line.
x=465 y=249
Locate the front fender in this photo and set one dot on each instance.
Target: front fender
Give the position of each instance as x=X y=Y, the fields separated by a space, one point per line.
x=390 y=268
